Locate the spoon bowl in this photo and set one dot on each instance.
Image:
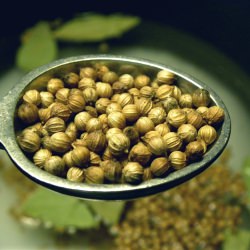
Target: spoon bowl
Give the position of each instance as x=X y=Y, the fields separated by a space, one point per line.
x=38 y=79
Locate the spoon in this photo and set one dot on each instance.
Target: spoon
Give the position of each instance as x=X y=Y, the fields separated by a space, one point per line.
x=38 y=79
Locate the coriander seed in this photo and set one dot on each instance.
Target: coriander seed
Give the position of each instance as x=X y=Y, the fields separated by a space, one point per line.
x=29 y=141
x=172 y=141
x=194 y=118
x=109 y=77
x=186 y=101
x=71 y=131
x=60 y=110
x=101 y=105
x=81 y=120
x=94 y=175
x=159 y=166
x=62 y=95
x=54 y=84
x=117 y=120
x=201 y=97
x=140 y=153
x=119 y=144
x=88 y=72
x=215 y=115
x=71 y=79
x=144 y=105
x=59 y=142
x=80 y=156
x=94 y=159
x=32 y=96
x=178 y=160
x=187 y=132
x=162 y=129
x=75 y=174
x=131 y=112
x=132 y=173
x=147 y=174
x=76 y=103
x=132 y=133
x=165 y=77
x=54 y=125
x=68 y=159
x=176 y=117
x=147 y=92
x=170 y=103
x=208 y=134
x=112 y=170
x=113 y=107
x=28 y=113
x=163 y=92
x=104 y=90
x=41 y=156
x=93 y=124
x=125 y=99
x=194 y=150
x=46 y=98
x=90 y=95
x=141 y=81
x=144 y=125
x=96 y=141
x=112 y=131
x=157 y=115
x=86 y=82
x=156 y=145
x=55 y=165
x=127 y=80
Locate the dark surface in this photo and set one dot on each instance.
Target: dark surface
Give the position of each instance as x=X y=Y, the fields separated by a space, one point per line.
x=224 y=24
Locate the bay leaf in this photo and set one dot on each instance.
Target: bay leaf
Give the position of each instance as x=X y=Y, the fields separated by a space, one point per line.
x=59 y=210
x=39 y=47
x=108 y=211
x=246 y=172
x=239 y=240
x=95 y=27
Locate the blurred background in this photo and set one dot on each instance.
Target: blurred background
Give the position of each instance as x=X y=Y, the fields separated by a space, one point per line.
x=224 y=24
x=207 y=39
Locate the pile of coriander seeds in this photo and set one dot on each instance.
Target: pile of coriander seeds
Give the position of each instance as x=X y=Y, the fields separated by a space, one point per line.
x=100 y=126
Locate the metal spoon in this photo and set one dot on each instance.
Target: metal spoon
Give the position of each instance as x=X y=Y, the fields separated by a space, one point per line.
x=38 y=79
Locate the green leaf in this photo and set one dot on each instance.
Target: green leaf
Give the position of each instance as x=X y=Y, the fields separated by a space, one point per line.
x=239 y=240
x=246 y=175
x=38 y=48
x=109 y=211
x=59 y=210
x=95 y=27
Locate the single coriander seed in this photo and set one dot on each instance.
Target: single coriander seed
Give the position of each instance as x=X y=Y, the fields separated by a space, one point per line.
x=132 y=173
x=208 y=134
x=41 y=156
x=178 y=160
x=75 y=174
x=55 y=165
x=28 y=113
x=159 y=166
x=94 y=175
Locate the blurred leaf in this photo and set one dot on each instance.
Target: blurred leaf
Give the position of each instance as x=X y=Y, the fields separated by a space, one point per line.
x=245 y=224
x=95 y=27
x=39 y=47
x=109 y=211
x=239 y=240
x=59 y=210
x=246 y=173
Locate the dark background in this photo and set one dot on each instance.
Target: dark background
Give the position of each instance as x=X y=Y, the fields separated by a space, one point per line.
x=224 y=24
